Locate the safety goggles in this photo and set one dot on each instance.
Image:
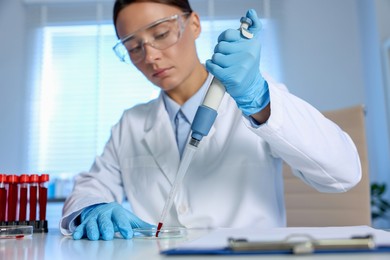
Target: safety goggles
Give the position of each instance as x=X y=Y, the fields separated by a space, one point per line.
x=160 y=35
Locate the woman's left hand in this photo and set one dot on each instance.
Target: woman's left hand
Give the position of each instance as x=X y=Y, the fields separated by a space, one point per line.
x=236 y=62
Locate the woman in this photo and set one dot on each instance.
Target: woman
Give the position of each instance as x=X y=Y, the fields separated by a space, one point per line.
x=234 y=179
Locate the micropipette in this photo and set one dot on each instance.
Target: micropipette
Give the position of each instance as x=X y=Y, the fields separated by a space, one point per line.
x=203 y=120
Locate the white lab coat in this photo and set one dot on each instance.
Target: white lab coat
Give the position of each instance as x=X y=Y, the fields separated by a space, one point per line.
x=234 y=179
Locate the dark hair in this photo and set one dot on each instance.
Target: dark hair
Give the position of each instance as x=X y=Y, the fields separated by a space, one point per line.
x=183 y=5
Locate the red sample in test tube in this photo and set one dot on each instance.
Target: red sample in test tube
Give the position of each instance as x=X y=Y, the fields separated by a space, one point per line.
x=34 y=178
x=43 y=179
x=12 y=197
x=3 y=196
x=23 y=180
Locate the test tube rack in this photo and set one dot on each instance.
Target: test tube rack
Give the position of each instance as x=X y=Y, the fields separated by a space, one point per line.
x=20 y=194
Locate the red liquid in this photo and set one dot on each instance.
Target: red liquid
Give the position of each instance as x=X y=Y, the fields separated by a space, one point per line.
x=3 y=203
x=23 y=204
x=12 y=200
x=159 y=226
x=42 y=202
x=33 y=202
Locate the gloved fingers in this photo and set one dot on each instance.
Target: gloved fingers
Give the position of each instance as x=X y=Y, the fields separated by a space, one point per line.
x=79 y=232
x=238 y=60
x=214 y=69
x=232 y=74
x=229 y=35
x=233 y=47
x=230 y=70
x=120 y=218
x=92 y=230
x=106 y=226
x=220 y=72
x=91 y=211
x=256 y=25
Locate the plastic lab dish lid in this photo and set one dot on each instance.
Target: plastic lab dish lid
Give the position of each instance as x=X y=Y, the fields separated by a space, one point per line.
x=167 y=232
x=15 y=232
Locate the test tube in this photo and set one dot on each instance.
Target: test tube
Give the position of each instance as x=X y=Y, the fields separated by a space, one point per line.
x=34 y=178
x=43 y=179
x=3 y=198
x=43 y=182
x=12 y=198
x=23 y=187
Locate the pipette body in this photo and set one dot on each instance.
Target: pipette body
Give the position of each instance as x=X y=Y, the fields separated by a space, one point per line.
x=201 y=125
x=207 y=112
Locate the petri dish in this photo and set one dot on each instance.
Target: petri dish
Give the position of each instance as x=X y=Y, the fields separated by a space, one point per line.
x=165 y=232
x=15 y=232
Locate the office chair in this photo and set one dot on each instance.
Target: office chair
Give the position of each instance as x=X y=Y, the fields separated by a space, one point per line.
x=305 y=206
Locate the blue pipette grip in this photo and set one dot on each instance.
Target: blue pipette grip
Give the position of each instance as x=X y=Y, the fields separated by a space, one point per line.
x=204 y=119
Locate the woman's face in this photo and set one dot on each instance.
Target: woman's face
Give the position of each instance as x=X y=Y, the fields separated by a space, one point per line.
x=171 y=67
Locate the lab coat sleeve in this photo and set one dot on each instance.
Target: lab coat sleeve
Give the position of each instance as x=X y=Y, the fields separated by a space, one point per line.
x=318 y=151
x=102 y=184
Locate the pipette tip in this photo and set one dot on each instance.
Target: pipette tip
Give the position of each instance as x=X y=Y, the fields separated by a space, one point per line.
x=159 y=226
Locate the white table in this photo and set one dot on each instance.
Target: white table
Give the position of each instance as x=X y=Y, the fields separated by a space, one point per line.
x=53 y=245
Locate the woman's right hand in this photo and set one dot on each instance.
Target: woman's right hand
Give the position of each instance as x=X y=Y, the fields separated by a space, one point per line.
x=103 y=220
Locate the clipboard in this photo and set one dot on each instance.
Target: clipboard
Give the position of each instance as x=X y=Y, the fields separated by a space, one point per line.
x=304 y=245
x=295 y=244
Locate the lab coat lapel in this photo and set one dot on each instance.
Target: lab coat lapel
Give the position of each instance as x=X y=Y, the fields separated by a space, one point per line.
x=160 y=139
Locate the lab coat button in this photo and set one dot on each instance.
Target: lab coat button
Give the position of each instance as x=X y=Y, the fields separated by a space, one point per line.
x=182 y=209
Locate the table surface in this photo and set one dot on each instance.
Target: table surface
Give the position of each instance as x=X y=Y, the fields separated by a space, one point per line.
x=53 y=245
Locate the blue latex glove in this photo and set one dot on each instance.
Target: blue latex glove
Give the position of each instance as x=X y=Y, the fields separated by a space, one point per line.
x=236 y=62
x=103 y=220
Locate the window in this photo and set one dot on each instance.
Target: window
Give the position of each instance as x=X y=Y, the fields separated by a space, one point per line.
x=83 y=90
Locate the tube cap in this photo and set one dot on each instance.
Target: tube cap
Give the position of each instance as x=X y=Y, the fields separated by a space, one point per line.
x=24 y=178
x=12 y=178
x=34 y=178
x=3 y=177
x=44 y=178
